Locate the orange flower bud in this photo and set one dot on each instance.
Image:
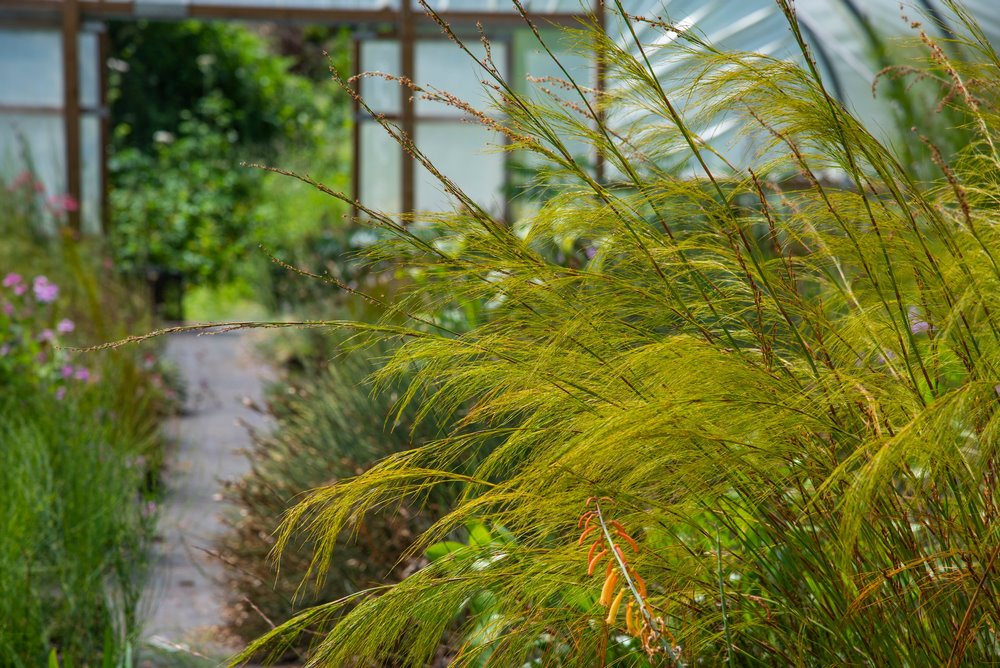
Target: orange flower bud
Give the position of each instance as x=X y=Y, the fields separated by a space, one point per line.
x=613 y=610
x=609 y=587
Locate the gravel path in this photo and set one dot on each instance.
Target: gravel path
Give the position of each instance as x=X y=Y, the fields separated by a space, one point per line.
x=185 y=600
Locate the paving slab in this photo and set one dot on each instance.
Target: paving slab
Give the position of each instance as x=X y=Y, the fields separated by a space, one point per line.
x=185 y=600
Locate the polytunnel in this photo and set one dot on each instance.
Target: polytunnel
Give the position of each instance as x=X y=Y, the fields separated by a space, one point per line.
x=53 y=82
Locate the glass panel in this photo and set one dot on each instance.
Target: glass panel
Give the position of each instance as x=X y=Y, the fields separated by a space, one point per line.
x=90 y=173
x=43 y=138
x=468 y=155
x=380 y=171
x=379 y=55
x=439 y=64
x=89 y=59
x=31 y=67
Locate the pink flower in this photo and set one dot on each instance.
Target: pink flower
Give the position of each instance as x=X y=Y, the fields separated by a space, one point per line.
x=45 y=291
x=66 y=371
x=8 y=308
x=23 y=179
x=11 y=280
x=65 y=203
x=60 y=393
x=65 y=326
x=4 y=349
x=82 y=374
x=47 y=335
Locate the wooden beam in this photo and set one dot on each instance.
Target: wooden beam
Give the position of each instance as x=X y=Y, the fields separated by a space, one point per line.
x=407 y=49
x=127 y=9
x=71 y=105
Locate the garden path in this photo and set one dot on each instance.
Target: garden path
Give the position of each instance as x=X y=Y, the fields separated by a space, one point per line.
x=186 y=598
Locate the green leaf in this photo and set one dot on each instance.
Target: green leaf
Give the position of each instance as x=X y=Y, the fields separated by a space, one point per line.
x=438 y=551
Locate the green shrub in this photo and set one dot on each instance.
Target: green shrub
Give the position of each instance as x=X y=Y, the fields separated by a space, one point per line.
x=191 y=102
x=766 y=406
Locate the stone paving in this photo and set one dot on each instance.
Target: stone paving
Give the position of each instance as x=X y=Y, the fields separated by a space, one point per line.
x=185 y=600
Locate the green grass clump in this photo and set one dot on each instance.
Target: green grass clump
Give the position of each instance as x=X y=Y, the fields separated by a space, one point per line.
x=780 y=380
x=74 y=530
x=79 y=448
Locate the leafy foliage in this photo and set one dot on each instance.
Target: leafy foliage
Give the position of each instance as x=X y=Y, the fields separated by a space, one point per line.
x=192 y=101
x=782 y=389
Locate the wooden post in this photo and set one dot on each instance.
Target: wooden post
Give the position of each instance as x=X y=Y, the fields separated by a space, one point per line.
x=71 y=104
x=407 y=48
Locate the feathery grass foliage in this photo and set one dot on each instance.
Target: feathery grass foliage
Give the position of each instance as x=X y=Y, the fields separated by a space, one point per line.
x=328 y=427
x=785 y=394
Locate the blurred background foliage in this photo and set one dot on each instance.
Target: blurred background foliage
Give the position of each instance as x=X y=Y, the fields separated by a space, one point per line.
x=193 y=105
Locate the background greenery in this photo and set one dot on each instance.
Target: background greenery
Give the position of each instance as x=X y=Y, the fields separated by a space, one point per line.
x=191 y=102
x=79 y=447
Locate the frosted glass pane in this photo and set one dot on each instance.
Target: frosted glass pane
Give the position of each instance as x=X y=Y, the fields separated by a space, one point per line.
x=378 y=55
x=465 y=153
x=46 y=147
x=90 y=173
x=381 y=172
x=533 y=61
x=440 y=64
x=31 y=67
x=89 y=59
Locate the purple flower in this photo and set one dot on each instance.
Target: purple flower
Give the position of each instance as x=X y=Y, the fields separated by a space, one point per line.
x=65 y=326
x=12 y=279
x=917 y=324
x=60 y=393
x=47 y=335
x=45 y=290
x=66 y=371
x=8 y=308
x=4 y=349
x=82 y=374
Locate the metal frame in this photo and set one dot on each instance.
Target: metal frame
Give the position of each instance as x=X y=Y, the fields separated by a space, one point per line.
x=403 y=23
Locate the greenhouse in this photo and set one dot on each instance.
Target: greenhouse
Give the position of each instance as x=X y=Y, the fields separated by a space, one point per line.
x=499 y=333
x=50 y=48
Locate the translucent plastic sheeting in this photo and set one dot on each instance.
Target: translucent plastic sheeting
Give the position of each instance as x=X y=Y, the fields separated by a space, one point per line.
x=381 y=169
x=31 y=68
x=42 y=137
x=380 y=55
x=468 y=155
x=90 y=173
x=89 y=58
x=440 y=65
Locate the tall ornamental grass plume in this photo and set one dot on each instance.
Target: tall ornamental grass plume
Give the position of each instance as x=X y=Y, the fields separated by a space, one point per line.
x=758 y=426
